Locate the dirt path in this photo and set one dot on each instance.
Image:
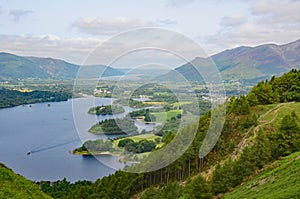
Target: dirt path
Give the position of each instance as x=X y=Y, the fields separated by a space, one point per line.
x=245 y=141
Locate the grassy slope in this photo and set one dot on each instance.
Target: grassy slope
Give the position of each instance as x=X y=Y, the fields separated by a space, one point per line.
x=276 y=116
x=280 y=179
x=17 y=187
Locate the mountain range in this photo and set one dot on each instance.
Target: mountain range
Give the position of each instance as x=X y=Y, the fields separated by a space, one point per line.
x=13 y=67
x=248 y=64
x=245 y=63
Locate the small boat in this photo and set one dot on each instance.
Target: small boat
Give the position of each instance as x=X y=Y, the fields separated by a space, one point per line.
x=29 y=152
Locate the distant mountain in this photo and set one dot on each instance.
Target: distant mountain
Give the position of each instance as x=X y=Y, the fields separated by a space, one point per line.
x=55 y=67
x=147 y=71
x=96 y=71
x=246 y=63
x=13 y=66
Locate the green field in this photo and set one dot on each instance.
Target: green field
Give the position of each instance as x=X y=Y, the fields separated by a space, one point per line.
x=176 y=104
x=281 y=179
x=137 y=138
x=166 y=116
x=155 y=103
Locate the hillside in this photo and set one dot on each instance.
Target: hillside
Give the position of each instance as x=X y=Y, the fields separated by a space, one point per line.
x=249 y=64
x=18 y=67
x=13 y=186
x=55 y=67
x=13 y=66
x=280 y=179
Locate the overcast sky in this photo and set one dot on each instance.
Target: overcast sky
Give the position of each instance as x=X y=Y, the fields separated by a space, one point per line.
x=71 y=29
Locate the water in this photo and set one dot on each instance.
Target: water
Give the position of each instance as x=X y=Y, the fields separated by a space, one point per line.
x=25 y=128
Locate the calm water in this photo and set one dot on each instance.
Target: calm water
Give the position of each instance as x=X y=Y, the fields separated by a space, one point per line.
x=39 y=127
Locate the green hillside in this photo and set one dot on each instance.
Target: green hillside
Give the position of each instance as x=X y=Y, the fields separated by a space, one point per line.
x=280 y=179
x=13 y=186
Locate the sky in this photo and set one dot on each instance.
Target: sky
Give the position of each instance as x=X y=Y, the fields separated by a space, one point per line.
x=72 y=29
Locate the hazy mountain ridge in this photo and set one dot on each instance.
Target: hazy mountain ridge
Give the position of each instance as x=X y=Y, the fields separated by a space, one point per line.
x=56 y=67
x=246 y=63
x=14 y=66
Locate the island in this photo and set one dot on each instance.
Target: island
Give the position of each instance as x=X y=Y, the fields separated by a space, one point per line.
x=115 y=127
x=128 y=148
x=106 y=110
x=95 y=147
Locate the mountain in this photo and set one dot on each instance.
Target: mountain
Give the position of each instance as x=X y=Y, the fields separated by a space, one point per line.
x=16 y=186
x=246 y=63
x=13 y=66
x=95 y=71
x=55 y=67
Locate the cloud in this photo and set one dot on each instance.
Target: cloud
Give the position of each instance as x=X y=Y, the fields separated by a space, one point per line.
x=17 y=14
x=165 y=22
x=1 y=10
x=96 y=26
x=284 y=12
x=233 y=20
x=144 y=46
x=74 y=50
x=176 y=3
x=269 y=21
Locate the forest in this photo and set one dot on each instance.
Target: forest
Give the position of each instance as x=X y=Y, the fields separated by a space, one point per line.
x=114 y=126
x=11 y=98
x=106 y=110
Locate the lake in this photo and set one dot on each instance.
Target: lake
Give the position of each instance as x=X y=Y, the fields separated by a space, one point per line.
x=52 y=132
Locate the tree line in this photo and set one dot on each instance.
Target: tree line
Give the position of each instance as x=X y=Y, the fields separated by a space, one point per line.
x=11 y=98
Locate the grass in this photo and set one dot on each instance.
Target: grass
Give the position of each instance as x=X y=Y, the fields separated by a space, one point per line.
x=137 y=138
x=155 y=103
x=96 y=129
x=17 y=187
x=176 y=104
x=281 y=112
x=166 y=116
x=280 y=179
x=25 y=90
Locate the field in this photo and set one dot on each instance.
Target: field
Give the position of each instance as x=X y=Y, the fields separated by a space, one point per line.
x=166 y=116
x=280 y=179
x=155 y=103
x=137 y=138
x=177 y=104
